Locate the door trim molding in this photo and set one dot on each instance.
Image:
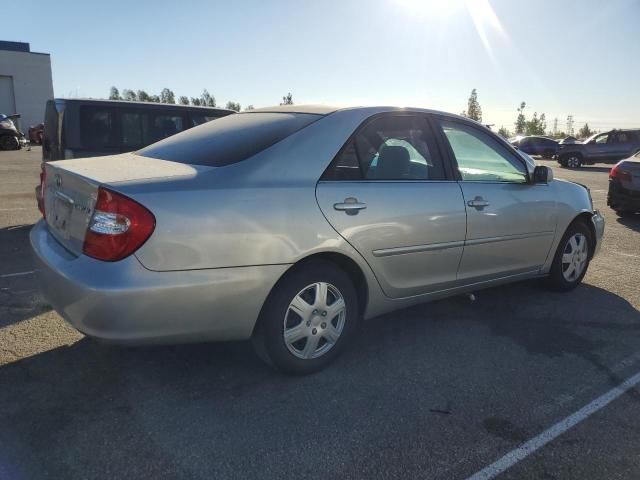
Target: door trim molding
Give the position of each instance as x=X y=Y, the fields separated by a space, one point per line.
x=505 y=238
x=387 y=252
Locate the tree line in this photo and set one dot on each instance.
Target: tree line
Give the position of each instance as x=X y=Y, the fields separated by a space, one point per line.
x=536 y=125
x=167 y=96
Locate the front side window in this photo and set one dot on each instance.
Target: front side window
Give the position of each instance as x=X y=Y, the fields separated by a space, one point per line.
x=602 y=138
x=390 y=147
x=481 y=158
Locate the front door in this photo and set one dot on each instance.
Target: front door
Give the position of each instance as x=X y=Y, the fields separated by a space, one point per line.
x=510 y=222
x=389 y=195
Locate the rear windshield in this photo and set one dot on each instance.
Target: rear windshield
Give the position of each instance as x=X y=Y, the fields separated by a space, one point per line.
x=230 y=139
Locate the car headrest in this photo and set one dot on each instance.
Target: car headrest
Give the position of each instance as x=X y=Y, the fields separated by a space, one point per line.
x=393 y=163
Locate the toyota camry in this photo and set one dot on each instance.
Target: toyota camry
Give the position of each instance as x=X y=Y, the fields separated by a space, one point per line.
x=292 y=225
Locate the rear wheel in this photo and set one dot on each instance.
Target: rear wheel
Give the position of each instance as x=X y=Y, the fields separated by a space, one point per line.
x=572 y=258
x=547 y=154
x=308 y=319
x=9 y=142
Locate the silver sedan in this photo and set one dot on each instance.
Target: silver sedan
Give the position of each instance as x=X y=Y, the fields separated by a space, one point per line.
x=291 y=225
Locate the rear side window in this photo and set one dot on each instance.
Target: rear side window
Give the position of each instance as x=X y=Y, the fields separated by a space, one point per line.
x=390 y=147
x=230 y=139
x=97 y=127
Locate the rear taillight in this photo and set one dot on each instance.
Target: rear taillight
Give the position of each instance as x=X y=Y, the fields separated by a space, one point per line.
x=118 y=227
x=40 y=193
x=619 y=174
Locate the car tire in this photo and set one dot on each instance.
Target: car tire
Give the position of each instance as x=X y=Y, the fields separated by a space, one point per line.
x=573 y=160
x=572 y=258
x=9 y=142
x=300 y=306
x=547 y=154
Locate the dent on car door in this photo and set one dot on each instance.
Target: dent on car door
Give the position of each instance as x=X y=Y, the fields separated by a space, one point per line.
x=388 y=195
x=510 y=222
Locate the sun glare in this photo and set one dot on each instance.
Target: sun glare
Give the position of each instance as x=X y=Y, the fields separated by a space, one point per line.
x=484 y=18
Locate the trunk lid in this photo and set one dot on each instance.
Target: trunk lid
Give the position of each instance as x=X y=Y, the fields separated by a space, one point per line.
x=633 y=167
x=72 y=186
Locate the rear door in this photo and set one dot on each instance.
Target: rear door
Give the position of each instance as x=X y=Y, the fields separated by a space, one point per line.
x=391 y=196
x=510 y=222
x=620 y=145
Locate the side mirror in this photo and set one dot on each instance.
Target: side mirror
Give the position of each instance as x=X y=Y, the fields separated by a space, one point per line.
x=542 y=174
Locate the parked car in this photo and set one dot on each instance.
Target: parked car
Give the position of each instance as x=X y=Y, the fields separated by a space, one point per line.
x=624 y=186
x=535 y=145
x=569 y=140
x=10 y=137
x=289 y=225
x=36 y=133
x=601 y=147
x=76 y=128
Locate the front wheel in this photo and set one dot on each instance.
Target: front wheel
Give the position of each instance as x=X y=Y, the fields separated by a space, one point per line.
x=308 y=319
x=572 y=258
x=9 y=142
x=573 y=161
x=547 y=154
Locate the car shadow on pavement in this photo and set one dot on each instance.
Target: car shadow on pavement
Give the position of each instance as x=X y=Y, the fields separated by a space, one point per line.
x=19 y=296
x=96 y=411
x=590 y=169
x=630 y=221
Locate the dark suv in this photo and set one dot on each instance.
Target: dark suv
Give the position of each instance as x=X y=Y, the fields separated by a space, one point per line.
x=601 y=147
x=537 y=146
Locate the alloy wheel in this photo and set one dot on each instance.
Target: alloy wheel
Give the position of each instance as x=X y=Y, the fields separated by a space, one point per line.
x=574 y=257
x=314 y=320
x=573 y=162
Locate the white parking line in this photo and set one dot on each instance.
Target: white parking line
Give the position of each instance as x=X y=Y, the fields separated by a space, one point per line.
x=17 y=274
x=15 y=208
x=539 y=441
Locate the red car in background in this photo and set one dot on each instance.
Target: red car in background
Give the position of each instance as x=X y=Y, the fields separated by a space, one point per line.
x=36 y=133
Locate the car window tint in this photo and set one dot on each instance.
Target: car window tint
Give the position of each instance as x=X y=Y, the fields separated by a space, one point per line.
x=602 y=138
x=390 y=147
x=229 y=139
x=163 y=126
x=132 y=129
x=97 y=127
x=621 y=137
x=197 y=119
x=480 y=157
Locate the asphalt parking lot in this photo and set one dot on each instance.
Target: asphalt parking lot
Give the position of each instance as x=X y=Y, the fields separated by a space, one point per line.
x=438 y=391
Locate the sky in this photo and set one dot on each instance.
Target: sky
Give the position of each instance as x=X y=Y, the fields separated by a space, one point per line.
x=559 y=56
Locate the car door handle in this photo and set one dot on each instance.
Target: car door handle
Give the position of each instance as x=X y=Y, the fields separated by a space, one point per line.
x=351 y=206
x=478 y=202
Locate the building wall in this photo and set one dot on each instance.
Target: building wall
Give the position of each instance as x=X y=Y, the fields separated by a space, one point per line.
x=30 y=75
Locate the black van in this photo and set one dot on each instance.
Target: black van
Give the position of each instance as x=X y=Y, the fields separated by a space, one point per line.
x=75 y=128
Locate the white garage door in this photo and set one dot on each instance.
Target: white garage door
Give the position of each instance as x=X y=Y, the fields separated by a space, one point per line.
x=7 y=99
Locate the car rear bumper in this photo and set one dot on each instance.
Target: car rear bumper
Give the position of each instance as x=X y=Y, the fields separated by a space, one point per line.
x=620 y=198
x=123 y=302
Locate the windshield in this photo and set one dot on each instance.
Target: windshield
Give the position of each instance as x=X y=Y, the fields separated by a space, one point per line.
x=230 y=139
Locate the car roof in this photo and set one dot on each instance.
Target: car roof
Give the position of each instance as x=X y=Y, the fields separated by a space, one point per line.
x=328 y=109
x=100 y=101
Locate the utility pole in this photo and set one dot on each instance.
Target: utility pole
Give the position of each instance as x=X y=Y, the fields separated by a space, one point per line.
x=570 y=125
x=555 y=126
